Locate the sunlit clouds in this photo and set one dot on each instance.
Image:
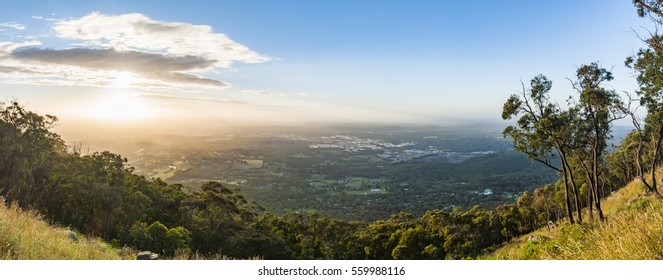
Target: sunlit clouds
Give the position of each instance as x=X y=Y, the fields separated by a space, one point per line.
x=138 y=32
x=155 y=54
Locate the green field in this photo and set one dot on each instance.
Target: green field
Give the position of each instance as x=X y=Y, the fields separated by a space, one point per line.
x=352 y=185
x=244 y=164
x=167 y=171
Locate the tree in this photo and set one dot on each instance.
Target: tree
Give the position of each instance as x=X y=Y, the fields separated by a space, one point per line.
x=623 y=162
x=652 y=8
x=29 y=153
x=542 y=130
x=597 y=109
x=647 y=64
x=415 y=243
x=218 y=218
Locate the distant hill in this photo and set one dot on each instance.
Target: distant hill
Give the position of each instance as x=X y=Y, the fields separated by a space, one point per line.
x=633 y=231
x=25 y=236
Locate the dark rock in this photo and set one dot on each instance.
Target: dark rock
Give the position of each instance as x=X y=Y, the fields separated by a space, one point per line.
x=72 y=236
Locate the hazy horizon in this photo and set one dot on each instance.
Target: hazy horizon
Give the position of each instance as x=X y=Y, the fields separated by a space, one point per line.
x=76 y=131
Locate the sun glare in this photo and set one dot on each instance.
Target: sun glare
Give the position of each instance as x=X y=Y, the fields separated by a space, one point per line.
x=120 y=79
x=119 y=107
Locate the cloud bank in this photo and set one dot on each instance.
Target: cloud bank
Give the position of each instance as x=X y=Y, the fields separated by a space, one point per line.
x=148 y=65
x=129 y=49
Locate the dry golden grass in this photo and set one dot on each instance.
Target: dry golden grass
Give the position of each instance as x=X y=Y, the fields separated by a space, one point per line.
x=633 y=231
x=25 y=236
x=622 y=197
x=519 y=248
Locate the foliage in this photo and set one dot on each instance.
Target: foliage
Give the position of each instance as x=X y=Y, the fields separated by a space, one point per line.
x=647 y=64
x=544 y=130
x=597 y=109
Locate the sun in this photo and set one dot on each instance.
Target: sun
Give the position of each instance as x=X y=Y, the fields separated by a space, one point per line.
x=121 y=79
x=119 y=107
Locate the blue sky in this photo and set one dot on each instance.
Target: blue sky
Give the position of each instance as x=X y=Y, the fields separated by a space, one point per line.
x=302 y=61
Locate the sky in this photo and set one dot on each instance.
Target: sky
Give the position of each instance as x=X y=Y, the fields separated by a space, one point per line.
x=281 y=62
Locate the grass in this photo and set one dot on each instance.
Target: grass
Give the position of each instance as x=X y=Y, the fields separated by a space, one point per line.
x=633 y=231
x=620 y=199
x=25 y=236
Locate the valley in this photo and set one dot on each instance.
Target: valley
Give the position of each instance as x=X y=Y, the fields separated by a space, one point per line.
x=354 y=173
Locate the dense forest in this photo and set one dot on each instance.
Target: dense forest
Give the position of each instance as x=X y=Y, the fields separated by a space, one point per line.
x=98 y=194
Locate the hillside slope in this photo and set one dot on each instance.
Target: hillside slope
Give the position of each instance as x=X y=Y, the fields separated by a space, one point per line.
x=633 y=231
x=25 y=236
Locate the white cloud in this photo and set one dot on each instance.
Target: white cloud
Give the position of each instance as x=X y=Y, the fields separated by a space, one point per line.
x=138 y=32
x=12 y=25
x=43 y=18
x=125 y=50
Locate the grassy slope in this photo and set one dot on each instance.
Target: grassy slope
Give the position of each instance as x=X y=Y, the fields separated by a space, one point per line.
x=633 y=230
x=25 y=236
